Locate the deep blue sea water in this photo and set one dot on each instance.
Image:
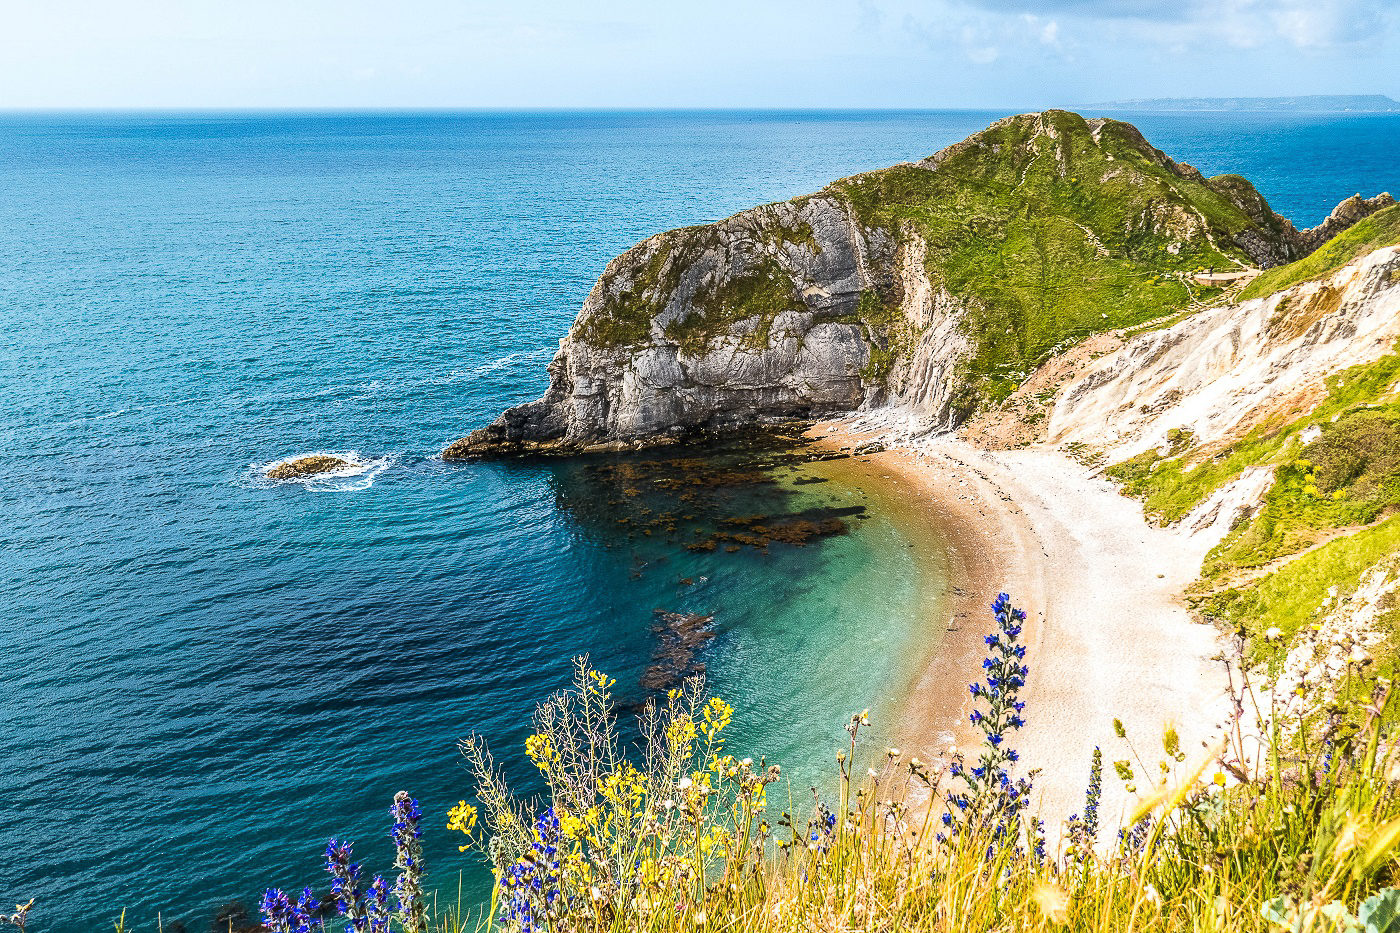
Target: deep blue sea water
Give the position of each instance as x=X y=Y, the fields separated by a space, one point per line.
x=206 y=675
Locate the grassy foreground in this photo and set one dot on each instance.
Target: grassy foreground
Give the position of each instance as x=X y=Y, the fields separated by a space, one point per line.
x=673 y=834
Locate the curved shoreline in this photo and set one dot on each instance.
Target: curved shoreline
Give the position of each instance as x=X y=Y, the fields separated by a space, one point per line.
x=1109 y=636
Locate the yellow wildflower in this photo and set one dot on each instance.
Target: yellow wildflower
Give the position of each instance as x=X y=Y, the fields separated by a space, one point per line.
x=463 y=819
x=717 y=716
x=542 y=752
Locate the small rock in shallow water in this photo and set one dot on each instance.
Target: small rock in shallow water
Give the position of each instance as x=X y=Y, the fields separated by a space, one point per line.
x=302 y=467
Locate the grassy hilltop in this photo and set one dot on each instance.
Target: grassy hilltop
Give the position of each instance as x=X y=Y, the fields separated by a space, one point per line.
x=1050 y=229
x=1044 y=227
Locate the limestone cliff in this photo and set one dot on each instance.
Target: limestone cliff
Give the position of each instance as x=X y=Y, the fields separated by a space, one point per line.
x=938 y=285
x=1227 y=370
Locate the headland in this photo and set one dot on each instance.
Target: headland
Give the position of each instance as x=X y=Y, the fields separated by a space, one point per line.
x=1021 y=328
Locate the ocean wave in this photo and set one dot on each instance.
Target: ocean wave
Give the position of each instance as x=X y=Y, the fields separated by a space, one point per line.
x=390 y=384
x=522 y=356
x=396 y=384
x=359 y=472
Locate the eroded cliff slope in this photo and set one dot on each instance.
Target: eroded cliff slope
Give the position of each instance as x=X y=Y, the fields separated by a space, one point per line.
x=938 y=285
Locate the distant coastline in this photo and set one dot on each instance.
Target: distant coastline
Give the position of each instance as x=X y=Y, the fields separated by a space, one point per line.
x=1315 y=103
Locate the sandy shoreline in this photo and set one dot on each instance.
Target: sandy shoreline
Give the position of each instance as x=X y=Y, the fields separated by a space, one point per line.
x=1109 y=636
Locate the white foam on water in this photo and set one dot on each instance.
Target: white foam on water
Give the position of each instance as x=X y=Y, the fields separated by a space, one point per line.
x=391 y=383
x=476 y=372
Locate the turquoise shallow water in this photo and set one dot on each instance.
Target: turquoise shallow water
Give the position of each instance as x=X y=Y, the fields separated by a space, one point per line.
x=207 y=675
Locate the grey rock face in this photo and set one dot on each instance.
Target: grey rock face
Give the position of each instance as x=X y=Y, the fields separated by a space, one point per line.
x=1292 y=243
x=810 y=263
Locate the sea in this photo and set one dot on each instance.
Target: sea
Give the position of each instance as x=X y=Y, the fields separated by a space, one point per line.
x=208 y=674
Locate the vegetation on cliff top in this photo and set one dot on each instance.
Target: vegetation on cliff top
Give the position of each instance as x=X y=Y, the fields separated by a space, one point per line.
x=1049 y=233
x=1045 y=227
x=1379 y=230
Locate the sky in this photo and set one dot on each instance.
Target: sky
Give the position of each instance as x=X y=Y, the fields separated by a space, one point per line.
x=994 y=54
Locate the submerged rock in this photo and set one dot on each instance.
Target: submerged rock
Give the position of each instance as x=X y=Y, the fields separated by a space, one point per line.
x=302 y=467
x=679 y=638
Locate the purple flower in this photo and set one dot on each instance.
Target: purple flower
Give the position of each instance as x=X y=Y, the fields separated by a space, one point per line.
x=345 y=883
x=377 y=905
x=992 y=801
x=283 y=916
x=408 y=859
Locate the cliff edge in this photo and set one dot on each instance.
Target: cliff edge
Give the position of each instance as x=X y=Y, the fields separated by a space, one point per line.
x=938 y=285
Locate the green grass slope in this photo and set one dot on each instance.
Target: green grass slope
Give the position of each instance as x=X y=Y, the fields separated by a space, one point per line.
x=1380 y=230
x=1047 y=228
x=1050 y=232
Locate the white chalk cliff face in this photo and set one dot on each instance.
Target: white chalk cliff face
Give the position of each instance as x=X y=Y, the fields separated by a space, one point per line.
x=1225 y=370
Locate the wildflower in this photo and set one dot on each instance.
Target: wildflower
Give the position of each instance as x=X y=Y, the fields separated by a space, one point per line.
x=1273 y=634
x=463 y=819
x=1131 y=840
x=377 y=905
x=408 y=859
x=20 y=917
x=281 y=915
x=345 y=884
x=1092 y=797
x=540 y=748
x=993 y=799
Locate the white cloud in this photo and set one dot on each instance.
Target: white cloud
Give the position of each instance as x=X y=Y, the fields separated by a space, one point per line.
x=1303 y=24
